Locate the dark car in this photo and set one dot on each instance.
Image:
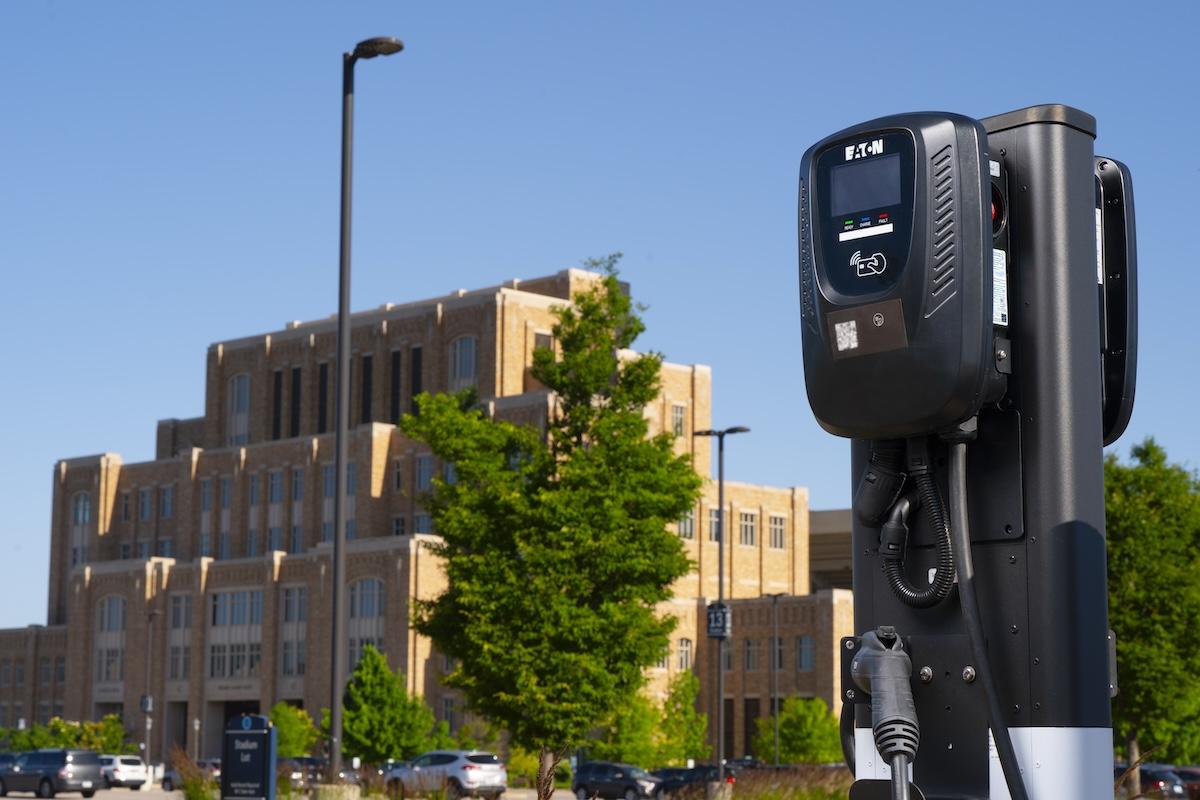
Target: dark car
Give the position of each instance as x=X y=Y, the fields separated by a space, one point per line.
x=608 y=780
x=681 y=780
x=48 y=772
x=1191 y=780
x=1157 y=781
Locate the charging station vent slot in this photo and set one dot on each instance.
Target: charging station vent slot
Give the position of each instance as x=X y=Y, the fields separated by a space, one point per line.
x=942 y=277
x=808 y=308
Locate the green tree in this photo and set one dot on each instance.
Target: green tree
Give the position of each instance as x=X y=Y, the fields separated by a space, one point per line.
x=683 y=732
x=630 y=734
x=1153 y=531
x=381 y=719
x=295 y=730
x=808 y=733
x=106 y=735
x=556 y=544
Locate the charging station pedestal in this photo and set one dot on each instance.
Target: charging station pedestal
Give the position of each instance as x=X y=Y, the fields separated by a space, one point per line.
x=1039 y=382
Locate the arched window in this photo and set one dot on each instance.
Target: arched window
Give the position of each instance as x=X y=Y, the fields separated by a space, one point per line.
x=366 y=617
x=81 y=518
x=685 y=654
x=239 y=410
x=109 y=640
x=463 y=366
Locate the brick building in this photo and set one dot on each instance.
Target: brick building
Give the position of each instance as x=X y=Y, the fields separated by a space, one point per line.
x=202 y=578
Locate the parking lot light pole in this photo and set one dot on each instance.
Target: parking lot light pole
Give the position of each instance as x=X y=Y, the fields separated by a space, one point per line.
x=369 y=48
x=720 y=436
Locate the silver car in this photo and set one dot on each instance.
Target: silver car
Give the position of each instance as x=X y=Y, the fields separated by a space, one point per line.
x=460 y=773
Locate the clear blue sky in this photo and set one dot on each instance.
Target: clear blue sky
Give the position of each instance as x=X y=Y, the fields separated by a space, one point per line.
x=169 y=178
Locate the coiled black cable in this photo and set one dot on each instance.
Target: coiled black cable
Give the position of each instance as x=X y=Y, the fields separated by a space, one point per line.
x=943 y=579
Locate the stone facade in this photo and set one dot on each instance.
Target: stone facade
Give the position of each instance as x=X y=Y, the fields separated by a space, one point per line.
x=202 y=578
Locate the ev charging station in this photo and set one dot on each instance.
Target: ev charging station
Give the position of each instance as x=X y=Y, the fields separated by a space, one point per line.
x=969 y=319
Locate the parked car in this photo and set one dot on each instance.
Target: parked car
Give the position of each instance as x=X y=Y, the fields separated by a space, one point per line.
x=122 y=771
x=461 y=773
x=1191 y=780
x=49 y=772
x=1157 y=781
x=610 y=780
x=678 y=779
x=6 y=759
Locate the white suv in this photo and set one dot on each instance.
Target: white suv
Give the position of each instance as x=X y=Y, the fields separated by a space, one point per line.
x=122 y=771
x=460 y=773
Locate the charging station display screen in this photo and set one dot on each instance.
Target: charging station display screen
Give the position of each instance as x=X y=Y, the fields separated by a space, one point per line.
x=863 y=185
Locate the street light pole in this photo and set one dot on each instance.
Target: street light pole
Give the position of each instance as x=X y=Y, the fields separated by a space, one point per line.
x=720 y=435
x=148 y=698
x=370 y=48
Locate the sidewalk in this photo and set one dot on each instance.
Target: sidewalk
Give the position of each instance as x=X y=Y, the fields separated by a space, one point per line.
x=531 y=794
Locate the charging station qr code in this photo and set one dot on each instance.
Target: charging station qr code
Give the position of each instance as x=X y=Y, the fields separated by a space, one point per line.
x=846 y=334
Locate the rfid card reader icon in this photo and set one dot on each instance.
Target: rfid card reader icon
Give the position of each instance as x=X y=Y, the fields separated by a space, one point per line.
x=871 y=265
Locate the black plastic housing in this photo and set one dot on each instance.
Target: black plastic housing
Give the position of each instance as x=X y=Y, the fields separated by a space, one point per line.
x=926 y=362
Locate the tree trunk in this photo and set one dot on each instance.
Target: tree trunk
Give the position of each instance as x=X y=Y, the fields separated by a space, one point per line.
x=547 y=764
x=1134 y=781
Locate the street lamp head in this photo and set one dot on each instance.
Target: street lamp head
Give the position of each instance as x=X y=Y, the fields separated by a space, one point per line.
x=379 y=46
x=737 y=429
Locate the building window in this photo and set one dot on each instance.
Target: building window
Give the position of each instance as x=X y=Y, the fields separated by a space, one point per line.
x=81 y=517
x=295 y=604
x=714 y=525
x=206 y=495
x=424 y=473
x=685 y=654
x=143 y=550
x=663 y=661
x=677 y=412
x=804 y=653
x=145 y=507
x=44 y=671
x=294 y=424
x=449 y=474
x=367 y=372
x=448 y=711
x=274 y=538
x=275 y=487
x=205 y=545
x=397 y=477
x=297 y=543
x=252 y=542
x=277 y=404
x=543 y=341
x=775 y=645
x=239 y=410
x=750 y=648
x=125 y=506
x=124 y=551
x=687 y=526
x=322 y=397
x=297 y=485
x=414 y=376
x=226 y=493
x=747 y=528
x=295 y=615
x=166 y=548
x=217 y=660
x=397 y=526
x=60 y=669
x=253 y=490
x=181 y=611
x=180 y=658
x=394 y=408
x=422 y=523
x=5 y=673
x=366 y=598
x=225 y=548
x=351 y=500
x=727 y=660
x=462 y=363
x=111 y=614
x=166 y=502
x=778 y=532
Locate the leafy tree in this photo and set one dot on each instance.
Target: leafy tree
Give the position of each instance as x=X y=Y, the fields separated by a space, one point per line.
x=556 y=545
x=107 y=735
x=808 y=733
x=629 y=735
x=683 y=732
x=295 y=730
x=1153 y=530
x=381 y=719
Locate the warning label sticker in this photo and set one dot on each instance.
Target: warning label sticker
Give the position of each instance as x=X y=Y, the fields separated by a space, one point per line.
x=999 y=287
